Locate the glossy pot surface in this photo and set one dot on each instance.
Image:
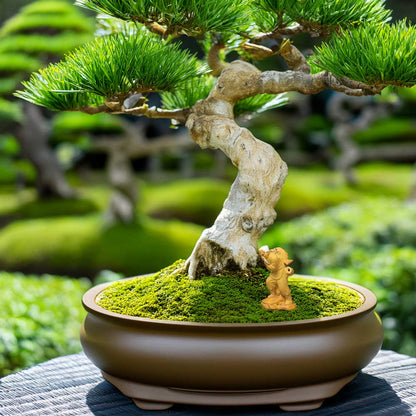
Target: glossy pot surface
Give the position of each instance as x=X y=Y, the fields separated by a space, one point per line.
x=231 y=357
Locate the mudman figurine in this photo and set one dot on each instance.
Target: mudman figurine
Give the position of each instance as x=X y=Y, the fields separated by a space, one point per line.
x=277 y=261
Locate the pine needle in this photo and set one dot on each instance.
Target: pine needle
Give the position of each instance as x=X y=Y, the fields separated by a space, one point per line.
x=375 y=54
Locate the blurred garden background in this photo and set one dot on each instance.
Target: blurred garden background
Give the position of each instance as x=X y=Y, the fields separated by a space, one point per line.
x=87 y=199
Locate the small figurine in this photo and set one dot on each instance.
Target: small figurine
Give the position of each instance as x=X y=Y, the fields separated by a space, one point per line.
x=277 y=261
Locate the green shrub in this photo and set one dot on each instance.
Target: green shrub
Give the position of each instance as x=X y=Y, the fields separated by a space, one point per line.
x=40 y=319
x=372 y=243
x=12 y=62
x=197 y=200
x=71 y=125
x=82 y=246
x=36 y=22
x=387 y=130
x=55 y=208
x=309 y=190
x=41 y=44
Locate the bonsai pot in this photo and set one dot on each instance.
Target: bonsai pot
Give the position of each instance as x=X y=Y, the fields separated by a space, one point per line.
x=295 y=364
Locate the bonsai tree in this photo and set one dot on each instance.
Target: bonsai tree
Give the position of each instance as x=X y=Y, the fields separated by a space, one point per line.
x=361 y=54
x=39 y=34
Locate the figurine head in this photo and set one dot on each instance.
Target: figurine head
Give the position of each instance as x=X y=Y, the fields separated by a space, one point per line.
x=274 y=259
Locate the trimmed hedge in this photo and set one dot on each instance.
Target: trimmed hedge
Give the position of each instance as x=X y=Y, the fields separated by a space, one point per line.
x=82 y=246
x=372 y=243
x=197 y=200
x=40 y=319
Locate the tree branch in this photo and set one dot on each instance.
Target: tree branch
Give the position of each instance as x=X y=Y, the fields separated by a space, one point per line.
x=259 y=52
x=156 y=28
x=180 y=115
x=274 y=82
x=214 y=60
x=294 y=57
x=278 y=33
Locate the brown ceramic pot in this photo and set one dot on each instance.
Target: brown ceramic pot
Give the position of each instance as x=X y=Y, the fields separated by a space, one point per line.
x=294 y=364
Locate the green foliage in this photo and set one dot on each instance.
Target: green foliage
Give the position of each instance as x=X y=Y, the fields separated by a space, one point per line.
x=321 y=13
x=50 y=208
x=12 y=62
x=110 y=66
x=386 y=130
x=37 y=44
x=67 y=126
x=46 y=15
x=374 y=54
x=8 y=85
x=39 y=319
x=265 y=20
x=189 y=93
x=47 y=88
x=198 y=201
x=181 y=16
x=259 y=103
x=26 y=24
x=54 y=7
x=371 y=243
x=9 y=112
x=81 y=245
x=233 y=297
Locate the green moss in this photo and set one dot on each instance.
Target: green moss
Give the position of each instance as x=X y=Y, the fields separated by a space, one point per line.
x=229 y=298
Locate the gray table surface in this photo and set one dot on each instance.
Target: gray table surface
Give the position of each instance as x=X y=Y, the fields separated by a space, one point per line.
x=72 y=386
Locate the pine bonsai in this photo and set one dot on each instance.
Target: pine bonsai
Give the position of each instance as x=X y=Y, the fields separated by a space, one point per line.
x=362 y=53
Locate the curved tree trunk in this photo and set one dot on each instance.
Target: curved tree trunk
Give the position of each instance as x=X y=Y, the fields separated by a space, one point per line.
x=33 y=137
x=249 y=208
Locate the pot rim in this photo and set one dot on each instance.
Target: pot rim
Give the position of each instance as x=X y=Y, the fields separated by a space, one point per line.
x=368 y=297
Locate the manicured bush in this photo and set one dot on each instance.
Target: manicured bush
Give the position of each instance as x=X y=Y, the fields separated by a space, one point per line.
x=309 y=190
x=55 y=208
x=372 y=243
x=82 y=246
x=70 y=126
x=40 y=319
x=197 y=200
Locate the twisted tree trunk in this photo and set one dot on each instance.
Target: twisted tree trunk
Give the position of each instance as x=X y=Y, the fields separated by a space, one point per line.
x=249 y=208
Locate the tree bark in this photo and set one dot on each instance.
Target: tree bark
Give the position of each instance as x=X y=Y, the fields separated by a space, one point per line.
x=33 y=136
x=122 y=208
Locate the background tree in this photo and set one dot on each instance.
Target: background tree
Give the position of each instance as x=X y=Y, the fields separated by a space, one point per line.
x=363 y=55
x=38 y=35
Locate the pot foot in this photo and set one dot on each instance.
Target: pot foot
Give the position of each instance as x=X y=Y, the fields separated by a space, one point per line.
x=300 y=398
x=299 y=407
x=149 y=405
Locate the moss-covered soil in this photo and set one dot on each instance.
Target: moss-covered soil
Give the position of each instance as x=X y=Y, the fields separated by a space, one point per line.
x=230 y=298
